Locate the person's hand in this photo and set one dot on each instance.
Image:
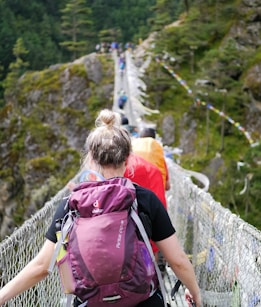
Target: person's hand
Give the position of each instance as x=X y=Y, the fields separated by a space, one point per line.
x=192 y=301
x=71 y=185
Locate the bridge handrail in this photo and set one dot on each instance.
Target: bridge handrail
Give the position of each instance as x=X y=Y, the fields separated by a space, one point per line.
x=225 y=250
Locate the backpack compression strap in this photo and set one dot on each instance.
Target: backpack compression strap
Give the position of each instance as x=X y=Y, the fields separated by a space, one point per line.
x=145 y=238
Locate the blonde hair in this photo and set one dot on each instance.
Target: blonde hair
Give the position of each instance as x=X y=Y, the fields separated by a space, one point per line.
x=109 y=144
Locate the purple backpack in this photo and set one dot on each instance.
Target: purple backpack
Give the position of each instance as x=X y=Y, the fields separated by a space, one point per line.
x=100 y=254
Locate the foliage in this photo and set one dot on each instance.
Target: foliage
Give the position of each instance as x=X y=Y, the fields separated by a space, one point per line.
x=57 y=31
x=17 y=68
x=165 y=13
x=76 y=25
x=240 y=191
x=46 y=164
x=200 y=48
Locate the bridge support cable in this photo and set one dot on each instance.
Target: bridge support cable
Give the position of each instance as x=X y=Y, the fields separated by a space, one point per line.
x=201 y=178
x=137 y=89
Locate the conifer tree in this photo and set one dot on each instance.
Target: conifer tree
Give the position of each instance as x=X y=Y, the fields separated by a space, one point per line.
x=1 y=86
x=17 y=68
x=76 y=26
x=186 y=3
x=165 y=13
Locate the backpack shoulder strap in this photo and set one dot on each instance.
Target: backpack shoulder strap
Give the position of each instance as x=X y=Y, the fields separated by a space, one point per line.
x=64 y=231
x=145 y=238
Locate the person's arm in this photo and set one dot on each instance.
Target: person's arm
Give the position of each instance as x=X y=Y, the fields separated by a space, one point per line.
x=181 y=266
x=167 y=186
x=32 y=273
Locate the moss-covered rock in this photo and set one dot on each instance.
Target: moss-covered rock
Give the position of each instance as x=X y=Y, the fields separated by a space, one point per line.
x=43 y=128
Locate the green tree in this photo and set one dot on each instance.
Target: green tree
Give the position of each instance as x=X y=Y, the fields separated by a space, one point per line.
x=110 y=35
x=17 y=68
x=76 y=25
x=7 y=39
x=166 y=12
x=130 y=16
x=1 y=86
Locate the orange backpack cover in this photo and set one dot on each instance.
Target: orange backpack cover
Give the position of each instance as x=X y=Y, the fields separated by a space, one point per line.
x=152 y=151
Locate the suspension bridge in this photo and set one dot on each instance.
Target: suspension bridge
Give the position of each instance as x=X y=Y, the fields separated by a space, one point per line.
x=224 y=250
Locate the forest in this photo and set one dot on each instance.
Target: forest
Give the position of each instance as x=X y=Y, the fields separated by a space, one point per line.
x=41 y=33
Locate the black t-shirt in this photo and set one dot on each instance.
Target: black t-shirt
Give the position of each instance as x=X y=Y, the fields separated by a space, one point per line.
x=148 y=203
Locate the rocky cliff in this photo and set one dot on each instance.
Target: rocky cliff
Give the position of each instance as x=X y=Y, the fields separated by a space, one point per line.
x=43 y=128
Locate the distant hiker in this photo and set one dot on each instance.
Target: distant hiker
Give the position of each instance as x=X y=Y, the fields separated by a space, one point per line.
x=103 y=47
x=97 y=48
x=107 y=150
x=114 y=45
x=124 y=120
x=122 y=63
x=122 y=66
x=122 y=58
x=133 y=130
x=122 y=99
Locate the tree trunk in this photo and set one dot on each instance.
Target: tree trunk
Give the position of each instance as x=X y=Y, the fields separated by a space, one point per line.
x=186 y=5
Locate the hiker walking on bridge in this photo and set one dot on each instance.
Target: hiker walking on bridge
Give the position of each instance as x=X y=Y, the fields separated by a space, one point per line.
x=122 y=99
x=107 y=150
x=122 y=64
x=147 y=147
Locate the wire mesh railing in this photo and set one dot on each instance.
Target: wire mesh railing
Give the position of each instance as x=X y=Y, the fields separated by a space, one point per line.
x=225 y=251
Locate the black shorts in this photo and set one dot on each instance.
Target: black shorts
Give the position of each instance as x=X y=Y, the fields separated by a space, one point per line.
x=155 y=300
